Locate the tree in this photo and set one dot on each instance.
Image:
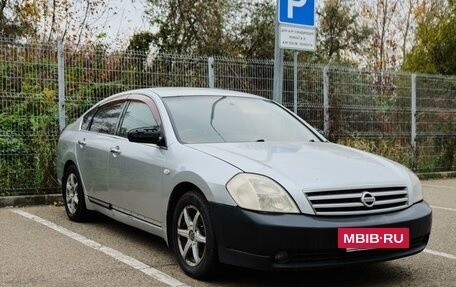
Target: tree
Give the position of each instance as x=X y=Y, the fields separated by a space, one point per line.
x=190 y=26
x=393 y=23
x=405 y=26
x=17 y=18
x=70 y=21
x=341 y=37
x=434 y=50
x=256 y=35
x=140 y=42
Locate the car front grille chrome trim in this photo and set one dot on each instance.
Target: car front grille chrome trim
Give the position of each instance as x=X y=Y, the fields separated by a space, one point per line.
x=350 y=202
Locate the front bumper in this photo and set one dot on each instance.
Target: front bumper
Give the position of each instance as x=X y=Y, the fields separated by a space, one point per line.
x=251 y=239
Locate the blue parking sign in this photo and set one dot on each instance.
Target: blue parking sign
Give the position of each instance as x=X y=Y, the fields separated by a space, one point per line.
x=297 y=12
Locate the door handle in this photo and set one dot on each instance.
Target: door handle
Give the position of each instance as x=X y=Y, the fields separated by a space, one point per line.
x=82 y=143
x=115 y=150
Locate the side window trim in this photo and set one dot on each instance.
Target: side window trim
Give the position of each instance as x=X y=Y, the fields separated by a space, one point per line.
x=150 y=103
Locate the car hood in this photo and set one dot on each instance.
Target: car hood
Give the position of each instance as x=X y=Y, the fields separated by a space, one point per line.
x=310 y=166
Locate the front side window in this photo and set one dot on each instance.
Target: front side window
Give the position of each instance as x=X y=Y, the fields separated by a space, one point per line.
x=215 y=119
x=138 y=115
x=106 y=118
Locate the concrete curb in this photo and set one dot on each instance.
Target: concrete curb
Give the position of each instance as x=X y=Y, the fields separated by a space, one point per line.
x=22 y=200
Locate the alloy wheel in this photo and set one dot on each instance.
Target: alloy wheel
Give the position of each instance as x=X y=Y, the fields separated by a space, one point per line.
x=191 y=235
x=72 y=200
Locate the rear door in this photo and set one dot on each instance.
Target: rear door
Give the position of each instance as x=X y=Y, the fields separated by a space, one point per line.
x=93 y=149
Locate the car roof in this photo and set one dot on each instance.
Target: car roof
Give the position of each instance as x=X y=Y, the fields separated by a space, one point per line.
x=178 y=92
x=182 y=91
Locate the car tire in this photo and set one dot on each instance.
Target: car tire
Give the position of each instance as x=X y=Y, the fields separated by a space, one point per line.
x=73 y=195
x=192 y=236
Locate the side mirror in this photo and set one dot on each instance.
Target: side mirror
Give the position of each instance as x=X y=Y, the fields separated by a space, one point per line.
x=150 y=135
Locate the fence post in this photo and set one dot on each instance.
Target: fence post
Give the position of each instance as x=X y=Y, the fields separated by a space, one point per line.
x=413 y=138
x=61 y=84
x=210 y=69
x=295 y=82
x=326 y=100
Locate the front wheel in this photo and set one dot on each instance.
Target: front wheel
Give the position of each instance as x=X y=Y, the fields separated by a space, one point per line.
x=193 y=240
x=73 y=195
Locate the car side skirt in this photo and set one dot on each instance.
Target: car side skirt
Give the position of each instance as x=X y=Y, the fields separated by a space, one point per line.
x=125 y=216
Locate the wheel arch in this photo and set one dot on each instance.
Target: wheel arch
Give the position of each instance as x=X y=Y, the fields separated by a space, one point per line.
x=67 y=165
x=177 y=193
x=81 y=213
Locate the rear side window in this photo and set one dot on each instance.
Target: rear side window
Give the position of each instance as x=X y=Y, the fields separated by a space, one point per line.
x=138 y=115
x=86 y=119
x=106 y=118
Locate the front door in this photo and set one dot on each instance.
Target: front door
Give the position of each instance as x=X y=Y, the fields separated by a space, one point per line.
x=136 y=169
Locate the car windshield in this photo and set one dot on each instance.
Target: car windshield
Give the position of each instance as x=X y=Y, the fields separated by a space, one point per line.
x=218 y=119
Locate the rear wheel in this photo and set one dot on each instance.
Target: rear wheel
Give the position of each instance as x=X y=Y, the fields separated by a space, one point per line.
x=193 y=239
x=73 y=195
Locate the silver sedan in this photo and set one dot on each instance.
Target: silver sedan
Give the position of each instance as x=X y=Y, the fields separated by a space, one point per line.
x=228 y=177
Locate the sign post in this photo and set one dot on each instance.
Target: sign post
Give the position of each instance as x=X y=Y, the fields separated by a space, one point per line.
x=278 y=67
x=295 y=30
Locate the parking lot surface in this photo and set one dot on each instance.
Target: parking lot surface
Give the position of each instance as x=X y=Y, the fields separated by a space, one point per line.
x=39 y=246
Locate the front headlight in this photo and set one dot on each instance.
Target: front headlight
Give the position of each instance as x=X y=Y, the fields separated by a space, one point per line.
x=257 y=192
x=417 y=194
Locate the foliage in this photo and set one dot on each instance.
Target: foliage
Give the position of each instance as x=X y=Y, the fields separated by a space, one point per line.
x=140 y=42
x=29 y=125
x=436 y=140
x=341 y=38
x=376 y=34
x=256 y=36
x=189 y=26
x=391 y=23
x=434 y=50
x=17 y=18
x=369 y=33
x=72 y=22
x=393 y=149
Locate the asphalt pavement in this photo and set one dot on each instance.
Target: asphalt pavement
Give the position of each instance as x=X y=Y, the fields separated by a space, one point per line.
x=39 y=246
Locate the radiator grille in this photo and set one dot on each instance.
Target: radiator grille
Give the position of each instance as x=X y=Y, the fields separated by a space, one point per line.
x=349 y=202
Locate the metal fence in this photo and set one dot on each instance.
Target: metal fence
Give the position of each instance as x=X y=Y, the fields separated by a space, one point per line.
x=405 y=117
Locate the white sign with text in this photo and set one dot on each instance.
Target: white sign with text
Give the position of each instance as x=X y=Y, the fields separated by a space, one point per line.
x=297 y=38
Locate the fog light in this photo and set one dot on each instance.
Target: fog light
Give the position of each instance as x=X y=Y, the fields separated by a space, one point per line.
x=281 y=257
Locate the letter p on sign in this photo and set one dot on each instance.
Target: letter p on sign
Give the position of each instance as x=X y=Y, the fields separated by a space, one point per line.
x=292 y=4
